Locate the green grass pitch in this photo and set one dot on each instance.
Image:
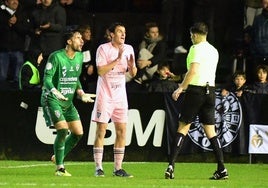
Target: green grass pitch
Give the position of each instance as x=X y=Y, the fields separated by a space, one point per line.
x=146 y=174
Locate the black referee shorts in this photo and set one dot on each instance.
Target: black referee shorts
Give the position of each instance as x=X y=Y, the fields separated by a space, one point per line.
x=197 y=102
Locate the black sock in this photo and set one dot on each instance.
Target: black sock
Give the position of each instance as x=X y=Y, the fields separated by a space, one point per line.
x=218 y=152
x=176 y=147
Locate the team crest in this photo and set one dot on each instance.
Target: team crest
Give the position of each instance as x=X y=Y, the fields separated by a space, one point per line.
x=77 y=67
x=57 y=113
x=48 y=66
x=98 y=114
x=228 y=118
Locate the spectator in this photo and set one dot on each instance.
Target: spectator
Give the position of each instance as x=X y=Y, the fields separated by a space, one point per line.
x=172 y=23
x=88 y=77
x=204 y=11
x=106 y=37
x=14 y=27
x=253 y=9
x=29 y=6
x=152 y=51
x=238 y=85
x=241 y=56
x=259 y=37
x=261 y=85
x=163 y=80
x=76 y=13
x=30 y=77
x=48 y=23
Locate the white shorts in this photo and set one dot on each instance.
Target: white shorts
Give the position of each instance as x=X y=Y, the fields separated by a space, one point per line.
x=114 y=111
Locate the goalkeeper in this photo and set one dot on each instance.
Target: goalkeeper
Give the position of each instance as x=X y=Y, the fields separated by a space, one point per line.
x=61 y=85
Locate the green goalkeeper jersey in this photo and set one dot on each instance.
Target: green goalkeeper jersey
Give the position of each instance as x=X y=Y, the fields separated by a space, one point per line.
x=63 y=73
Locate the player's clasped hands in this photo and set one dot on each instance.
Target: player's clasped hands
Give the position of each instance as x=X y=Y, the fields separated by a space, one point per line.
x=120 y=51
x=130 y=61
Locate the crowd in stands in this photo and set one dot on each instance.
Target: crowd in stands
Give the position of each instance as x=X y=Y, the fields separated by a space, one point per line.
x=239 y=85
x=34 y=28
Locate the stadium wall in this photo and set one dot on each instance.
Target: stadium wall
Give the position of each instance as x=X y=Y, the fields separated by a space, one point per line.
x=152 y=121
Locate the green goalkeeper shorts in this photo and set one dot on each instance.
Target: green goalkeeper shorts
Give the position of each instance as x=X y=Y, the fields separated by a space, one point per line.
x=54 y=112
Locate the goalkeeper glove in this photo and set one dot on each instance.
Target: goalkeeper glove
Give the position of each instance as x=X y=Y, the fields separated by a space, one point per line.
x=58 y=95
x=87 y=97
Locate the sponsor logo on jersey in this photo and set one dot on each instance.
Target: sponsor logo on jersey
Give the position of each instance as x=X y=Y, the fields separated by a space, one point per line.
x=98 y=114
x=71 y=69
x=57 y=113
x=77 y=67
x=65 y=91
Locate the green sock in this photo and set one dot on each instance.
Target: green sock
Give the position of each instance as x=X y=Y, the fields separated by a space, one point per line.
x=71 y=142
x=59 y=146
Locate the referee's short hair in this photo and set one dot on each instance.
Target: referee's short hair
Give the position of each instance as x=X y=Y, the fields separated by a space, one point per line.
x=199 y=28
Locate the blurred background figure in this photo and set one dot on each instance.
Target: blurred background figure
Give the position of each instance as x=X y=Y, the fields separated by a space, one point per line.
x=204 y=11
x=163 y=80
x=32 y=71
x=252 y=9
x=107 y=36
x=13 y=29
x=76 y=13
x=152 y=51
x=259 y=36
x=237 y=86
x=48 y=26
x=88 y=77
x=173 y=24
x=260 y=86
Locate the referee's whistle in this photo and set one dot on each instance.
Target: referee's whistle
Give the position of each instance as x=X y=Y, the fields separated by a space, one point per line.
x=207 y=88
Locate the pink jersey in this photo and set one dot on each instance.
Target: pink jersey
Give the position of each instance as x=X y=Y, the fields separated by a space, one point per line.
x=111 y=87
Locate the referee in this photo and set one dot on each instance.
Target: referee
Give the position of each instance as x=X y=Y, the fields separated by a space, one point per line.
x=199 y=98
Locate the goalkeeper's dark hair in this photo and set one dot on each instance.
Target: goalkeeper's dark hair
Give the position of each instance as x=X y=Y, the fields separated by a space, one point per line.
x=69 y=34
x=199 y=28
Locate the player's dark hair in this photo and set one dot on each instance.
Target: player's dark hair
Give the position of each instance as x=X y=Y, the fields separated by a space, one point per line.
x=114 y=25
x=68 y=35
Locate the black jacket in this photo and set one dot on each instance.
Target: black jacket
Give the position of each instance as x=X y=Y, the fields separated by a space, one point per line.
x=13 y=37
x=161 y=85
x=50 y=39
